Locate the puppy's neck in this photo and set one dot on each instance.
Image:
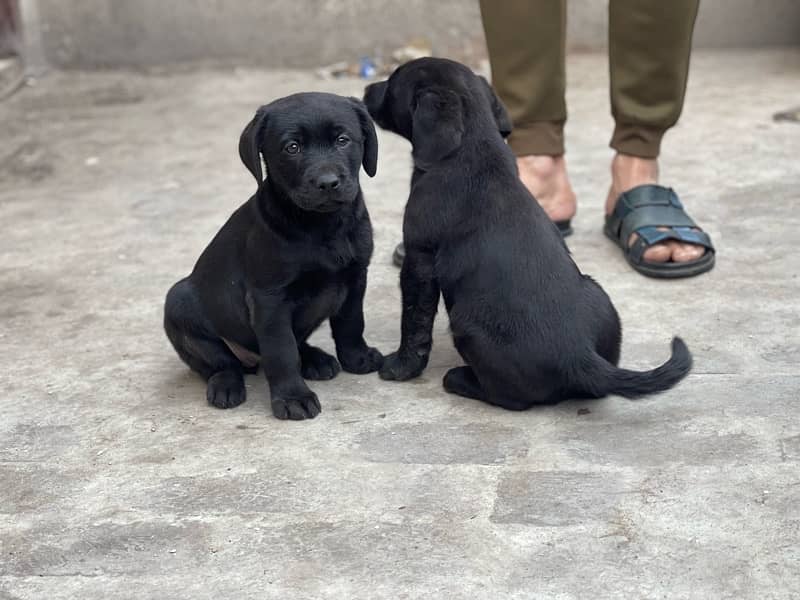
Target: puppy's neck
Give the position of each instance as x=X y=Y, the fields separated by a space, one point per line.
x=479 y=146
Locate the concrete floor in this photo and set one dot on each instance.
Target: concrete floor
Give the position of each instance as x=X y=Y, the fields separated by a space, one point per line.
x=117 y=480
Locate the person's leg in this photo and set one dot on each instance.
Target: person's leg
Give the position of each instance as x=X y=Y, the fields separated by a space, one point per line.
x=526 y=43
x=649 y=46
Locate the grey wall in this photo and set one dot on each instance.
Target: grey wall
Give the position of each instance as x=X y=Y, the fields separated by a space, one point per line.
x=301 y=33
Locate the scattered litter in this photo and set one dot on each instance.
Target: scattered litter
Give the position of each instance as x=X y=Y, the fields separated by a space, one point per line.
x=416 y=48
x=337 y=70
x=173 y=551
x=583 y=411
x=791 y=116
x=12 y=76
x=368 y=67
x=92 y=161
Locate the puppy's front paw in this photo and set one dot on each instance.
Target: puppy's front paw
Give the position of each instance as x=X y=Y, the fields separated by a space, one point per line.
x=226 y=389
x=361 y=360
x=318 y=365
x=296 y=405
x=400 y=366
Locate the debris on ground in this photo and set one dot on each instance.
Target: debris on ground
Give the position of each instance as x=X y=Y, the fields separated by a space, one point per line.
x=368 y=67
x=12 y=76
x=416 y=48
x=792 y=115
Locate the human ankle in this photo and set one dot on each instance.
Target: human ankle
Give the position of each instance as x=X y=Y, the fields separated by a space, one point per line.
x=546 y=178
x=542 y=166
x=629 y=171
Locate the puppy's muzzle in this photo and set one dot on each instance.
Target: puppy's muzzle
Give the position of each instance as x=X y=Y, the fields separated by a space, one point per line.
x=327 y=190
x=327 y=182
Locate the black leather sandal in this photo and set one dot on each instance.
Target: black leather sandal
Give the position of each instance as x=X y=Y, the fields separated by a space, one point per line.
x=646 y=209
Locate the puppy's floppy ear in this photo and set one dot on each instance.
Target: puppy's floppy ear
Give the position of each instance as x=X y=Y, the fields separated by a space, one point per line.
x=249 y=144
x=498 y=110
x=375 y=101
x=370 y=158
x=437 y=125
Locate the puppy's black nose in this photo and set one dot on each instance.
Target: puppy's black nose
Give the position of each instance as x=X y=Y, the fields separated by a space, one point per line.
x=327 y=182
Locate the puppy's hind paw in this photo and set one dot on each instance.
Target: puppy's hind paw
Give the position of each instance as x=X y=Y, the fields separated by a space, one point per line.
x=400 y=366
x=296 y=406
x=361 y=360
x=226 y=389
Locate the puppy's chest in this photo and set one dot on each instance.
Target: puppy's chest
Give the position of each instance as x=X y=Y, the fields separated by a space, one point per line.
x=317 y=286
x=333 y=255
x=325 y=266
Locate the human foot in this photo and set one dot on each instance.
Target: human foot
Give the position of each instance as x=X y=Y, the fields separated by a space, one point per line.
x=628 y=172
x=546 y=178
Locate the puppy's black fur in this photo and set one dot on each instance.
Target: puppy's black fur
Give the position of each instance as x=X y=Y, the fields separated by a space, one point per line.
x=293 y=255
x=531 y=328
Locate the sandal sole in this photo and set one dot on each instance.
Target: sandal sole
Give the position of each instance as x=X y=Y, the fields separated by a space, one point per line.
x=564 y=227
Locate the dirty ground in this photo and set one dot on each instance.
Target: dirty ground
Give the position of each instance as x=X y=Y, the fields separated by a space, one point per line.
x=117 y=480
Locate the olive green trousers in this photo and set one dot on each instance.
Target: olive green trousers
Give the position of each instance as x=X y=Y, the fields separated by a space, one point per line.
x=649 y=44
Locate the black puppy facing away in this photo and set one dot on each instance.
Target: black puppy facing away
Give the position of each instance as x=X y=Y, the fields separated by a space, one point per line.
x=293 y=255
x=531 y=328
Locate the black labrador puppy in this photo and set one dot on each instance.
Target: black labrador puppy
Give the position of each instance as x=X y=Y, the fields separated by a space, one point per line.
x=531 y=328
x=293 y=255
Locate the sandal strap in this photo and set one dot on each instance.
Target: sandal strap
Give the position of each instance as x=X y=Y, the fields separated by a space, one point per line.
x=645 y=208
x=649 y=236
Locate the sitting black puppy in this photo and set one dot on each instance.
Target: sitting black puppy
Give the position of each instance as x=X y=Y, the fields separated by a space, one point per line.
x=531 y=328
x=293 y=255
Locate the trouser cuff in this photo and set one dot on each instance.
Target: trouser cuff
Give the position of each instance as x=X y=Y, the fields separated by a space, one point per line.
x=539 y=137
x=636 y=140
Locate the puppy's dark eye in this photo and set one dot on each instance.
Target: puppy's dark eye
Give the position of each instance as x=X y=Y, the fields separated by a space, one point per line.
x=292 y=148
x=342 y=140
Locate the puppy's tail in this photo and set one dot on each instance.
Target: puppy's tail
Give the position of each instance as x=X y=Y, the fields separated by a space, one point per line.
x=602 y=378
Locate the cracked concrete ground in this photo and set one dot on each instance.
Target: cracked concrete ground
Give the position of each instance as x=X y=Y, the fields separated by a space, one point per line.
x=117 y=480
